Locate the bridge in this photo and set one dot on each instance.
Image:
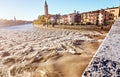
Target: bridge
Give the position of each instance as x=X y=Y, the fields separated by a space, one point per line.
x=106 y=61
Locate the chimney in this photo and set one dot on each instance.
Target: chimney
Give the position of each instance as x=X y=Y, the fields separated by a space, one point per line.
x=74 y=11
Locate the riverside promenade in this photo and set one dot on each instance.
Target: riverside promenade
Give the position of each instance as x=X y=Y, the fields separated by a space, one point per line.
x=106 y=61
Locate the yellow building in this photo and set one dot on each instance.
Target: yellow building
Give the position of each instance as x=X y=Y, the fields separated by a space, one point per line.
x=108 y=15
x=89 y=17
x=84 y=17
x=114 y=11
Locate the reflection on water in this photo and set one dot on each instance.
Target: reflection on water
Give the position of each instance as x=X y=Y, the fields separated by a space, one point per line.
x=18 y=27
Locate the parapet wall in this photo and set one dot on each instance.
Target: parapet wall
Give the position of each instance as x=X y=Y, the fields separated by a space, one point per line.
x=106 y=61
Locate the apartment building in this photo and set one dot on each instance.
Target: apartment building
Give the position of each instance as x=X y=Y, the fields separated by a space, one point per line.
x=102 y=16
x=113 y=12
x=74 y=18
x=64 y=19
x=89 y=17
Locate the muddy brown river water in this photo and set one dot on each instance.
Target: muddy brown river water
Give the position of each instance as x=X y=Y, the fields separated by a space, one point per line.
x=26 y=51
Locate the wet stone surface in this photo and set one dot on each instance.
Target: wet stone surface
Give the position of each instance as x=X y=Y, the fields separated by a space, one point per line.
x=106 y=62
x=104 y=68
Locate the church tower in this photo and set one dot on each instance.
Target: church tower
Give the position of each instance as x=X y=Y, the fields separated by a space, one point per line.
x=14 y=18
x=46 y=8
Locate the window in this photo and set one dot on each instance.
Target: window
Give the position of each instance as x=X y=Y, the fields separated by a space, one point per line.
x=111 y=15
x=112 y=10
x=111 y=19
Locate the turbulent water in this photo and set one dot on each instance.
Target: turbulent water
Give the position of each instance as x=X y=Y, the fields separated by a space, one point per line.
x=26 y=51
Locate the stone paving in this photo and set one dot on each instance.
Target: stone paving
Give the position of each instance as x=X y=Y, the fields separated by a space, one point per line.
x=106 y=62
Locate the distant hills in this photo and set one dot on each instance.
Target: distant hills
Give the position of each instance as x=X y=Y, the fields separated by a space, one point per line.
x=5 y=22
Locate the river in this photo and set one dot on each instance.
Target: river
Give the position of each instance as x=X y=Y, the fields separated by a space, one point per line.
x=26 y=51
x=18 y=27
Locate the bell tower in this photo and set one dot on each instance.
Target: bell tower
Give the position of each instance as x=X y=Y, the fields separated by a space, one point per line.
x=46 y=8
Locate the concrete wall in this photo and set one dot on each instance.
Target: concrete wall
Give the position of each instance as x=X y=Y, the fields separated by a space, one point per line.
x=106 y=61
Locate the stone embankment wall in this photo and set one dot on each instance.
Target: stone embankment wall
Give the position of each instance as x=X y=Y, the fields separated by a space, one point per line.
x=106 y=61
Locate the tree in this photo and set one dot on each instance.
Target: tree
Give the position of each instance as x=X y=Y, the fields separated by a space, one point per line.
x=104 y=22
x=41 y=20
x=97 y=21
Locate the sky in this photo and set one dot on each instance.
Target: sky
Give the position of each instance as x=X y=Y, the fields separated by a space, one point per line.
x=31 y=9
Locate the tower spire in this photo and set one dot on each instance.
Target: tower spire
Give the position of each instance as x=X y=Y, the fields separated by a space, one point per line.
x=46 y=3
x=46 y=8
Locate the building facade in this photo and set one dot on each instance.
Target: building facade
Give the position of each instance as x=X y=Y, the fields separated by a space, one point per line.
x=114 y=12
x=64 y=19
x=103 y=16
x=89 y=17
x=98 y=17
x=74 y=18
